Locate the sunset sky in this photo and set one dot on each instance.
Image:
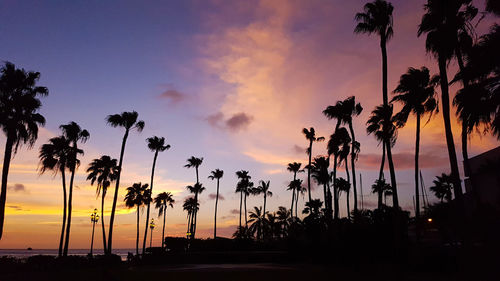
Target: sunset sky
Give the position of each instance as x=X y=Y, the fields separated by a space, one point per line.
x=233 y=82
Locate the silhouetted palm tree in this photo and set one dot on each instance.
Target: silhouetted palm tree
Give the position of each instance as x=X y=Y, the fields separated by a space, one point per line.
x=381 y=124
x=319 y=172
x=311 y=137
x=136 y=196
x=442 y=187
x=196 y=189
x=191 y=206
x=338 y=145
x=195 y=163
x=379 y=187
x=73 y=134
x=156 y=145
x=294 y=185
x=162 y=201
x=441 y=26
x=216 y=174
x=128 y=121
x=313 y=207
x=294 y=168
x=242 y=187
x=263 y=188
x=54 y=156
x=257 y=222
x=415 y=92
x=344 y=186
x=299 y=189
x=104 y=171
x=19 y=117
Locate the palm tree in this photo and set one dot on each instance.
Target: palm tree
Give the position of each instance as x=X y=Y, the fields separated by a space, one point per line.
x=344 y=186
x=156 y=145
x=376 y=18
x=387 y=193
x=311 y=137
x=54 y=156
x=136 y=196
x=162 y=201
x=441 y=26
x=104 y=171
x=19 y=117
x=294 y=185
x=415 y=92
x=242 y=187
x=379 y=187
x=191 y=206
x=127 y=120
x=299 y=189
x=442 y=187
x=320 y=174
x=73 y=133
x=313 y=207
x=381 y=124
x=338 y=145
x=257 y=222
x=216 y=174
x=196 y=189
x=294 y=168
x=263 y=188
x=195 y=163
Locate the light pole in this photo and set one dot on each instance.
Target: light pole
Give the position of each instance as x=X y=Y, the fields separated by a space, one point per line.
x=151 y=226
x=94 y=218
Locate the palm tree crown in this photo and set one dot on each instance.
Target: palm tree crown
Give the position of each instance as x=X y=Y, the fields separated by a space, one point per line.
x=127 y=120
x=376 y=18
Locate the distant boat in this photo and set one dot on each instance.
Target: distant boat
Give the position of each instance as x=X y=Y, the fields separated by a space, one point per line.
x=30 y=249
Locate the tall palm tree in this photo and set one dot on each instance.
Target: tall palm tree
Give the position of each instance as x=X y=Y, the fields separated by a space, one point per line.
x=415 y=92
x=156 y=145
x=299 y=189
x=440 y=24
x=54 y=156
x=242 y=187
x=294 y=168
x=136 y=196
x=338 y=145
x=263 y=188
x=382 y=124
x=442 y=187
x=128 y=121
x=195 y=163
x=74 y=134
x=104 y=171
x=19 y=117
x=191 y=206
x=379 y=187
x=344 y=186
x=376 y=18
x=311 y=137
x=216 y=175
x=196 y=189
x=162 y=201
x=294 y=185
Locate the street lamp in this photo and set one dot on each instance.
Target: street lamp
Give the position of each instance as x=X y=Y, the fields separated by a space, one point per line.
x=151 y=226
x=94 y=218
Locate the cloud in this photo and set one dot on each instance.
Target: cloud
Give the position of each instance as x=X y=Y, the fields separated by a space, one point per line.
x=212 y=196
x=234 y=211
x=404 y=160
x=298 y=149
x=237 y=122
x=18 y=187
x=173 y=96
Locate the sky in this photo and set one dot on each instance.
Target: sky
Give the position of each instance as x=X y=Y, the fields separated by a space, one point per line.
x=233 y=82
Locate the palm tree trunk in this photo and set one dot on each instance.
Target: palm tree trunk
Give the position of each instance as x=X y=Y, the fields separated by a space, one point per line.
x=445 y=99
x=380 y=200
x=296 y=203
x=5 y=172
x=65 y=204
x=349 y=181
x=189 y=224
x=149 y=203
x=102 y=222
x=335 y=197
x=265 y=197
x=195 y=216
x=70 y=206
x=384 y=70
x=246 y=219
x=382 y=163
x=241 y=202
x=395 y=201
x=293 y=201
x=353 y=160
x=163 y=228
x=215 y=216
x=309 y=172
x=92 y=240
x=115 y=197
x=417 y=194
x=137 y=235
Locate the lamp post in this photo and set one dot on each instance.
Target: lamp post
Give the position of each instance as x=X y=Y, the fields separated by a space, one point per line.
x=94 y=218
x=151 y=226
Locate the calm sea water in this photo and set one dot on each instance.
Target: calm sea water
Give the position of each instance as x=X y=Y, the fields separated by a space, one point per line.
x=22 y=253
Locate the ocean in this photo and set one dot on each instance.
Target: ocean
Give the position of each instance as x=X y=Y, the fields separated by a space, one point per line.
x=23 y=253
